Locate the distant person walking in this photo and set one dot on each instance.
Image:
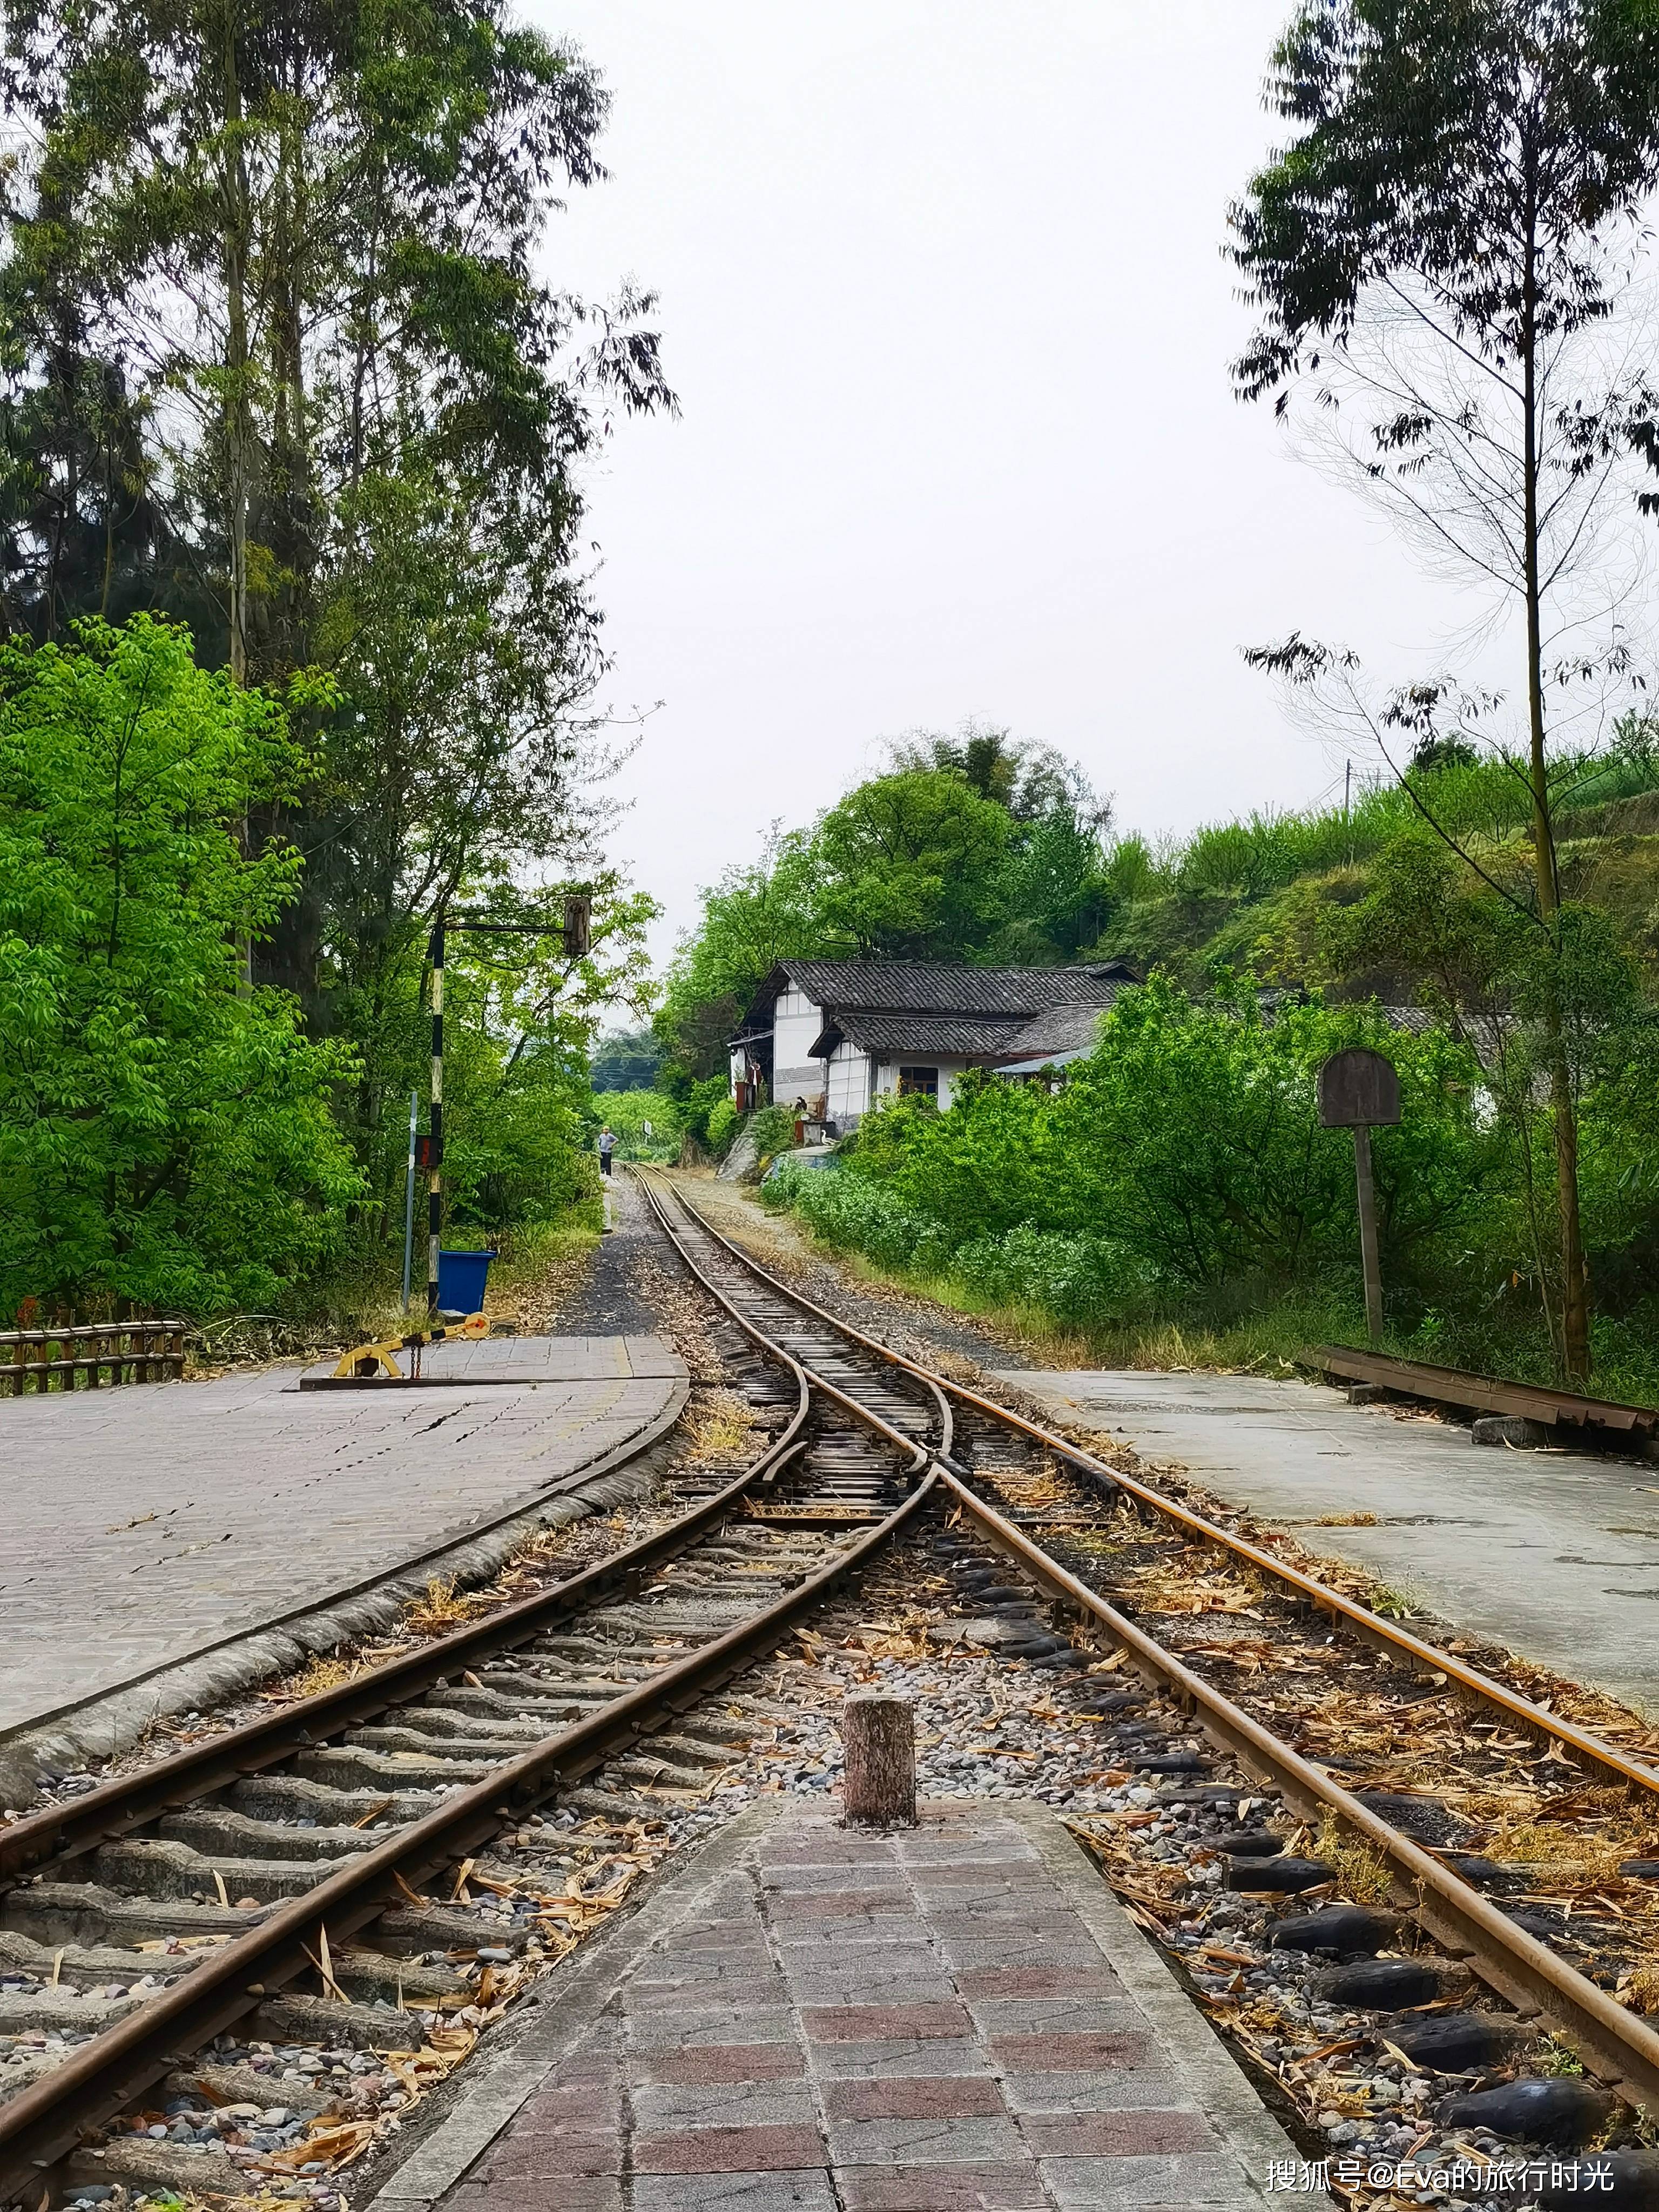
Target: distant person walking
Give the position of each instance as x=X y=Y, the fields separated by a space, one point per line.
x=607 y=1146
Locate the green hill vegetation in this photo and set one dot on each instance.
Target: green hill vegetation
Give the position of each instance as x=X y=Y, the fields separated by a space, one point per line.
x=1174 y=1195
x=1260 y=895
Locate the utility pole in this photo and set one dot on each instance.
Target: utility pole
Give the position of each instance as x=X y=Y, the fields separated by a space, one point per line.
x=577 y=932
x=1359 y=1090
x=1371 y=1265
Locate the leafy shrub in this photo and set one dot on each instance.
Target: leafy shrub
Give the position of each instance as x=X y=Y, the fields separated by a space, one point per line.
x=1182 y=1163
x=166 y=1135
x=627 y=1112
x=699 y=1105
x=851 y=1214
x=722 y=1126
x=774 y=1129
x=1082 y=1279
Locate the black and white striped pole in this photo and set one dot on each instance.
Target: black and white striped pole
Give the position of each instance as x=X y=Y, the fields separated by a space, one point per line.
x=434 y=1161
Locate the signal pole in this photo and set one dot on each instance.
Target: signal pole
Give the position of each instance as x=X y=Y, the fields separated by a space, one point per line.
x=434 y=1181
x=577 y=932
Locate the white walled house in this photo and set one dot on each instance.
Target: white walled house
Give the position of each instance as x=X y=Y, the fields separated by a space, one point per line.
x=842 y=1034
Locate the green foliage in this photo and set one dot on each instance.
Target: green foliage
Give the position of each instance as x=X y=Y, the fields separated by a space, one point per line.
x=1250 y=894
x=773 y=1128
x=720 y=1125
x=969 y=848
x=627 y=1112
x=1477 y=151
x=751 y=919
x=914 y=863
x=696 y=1103
x=1440 y=253
x=1182 y=1164
x=1480 y=959
x=165 y=1137
x=628 y=1060
x=513 y=1140
x=276 y=356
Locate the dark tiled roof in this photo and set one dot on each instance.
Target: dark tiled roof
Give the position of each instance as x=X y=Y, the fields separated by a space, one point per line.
x=1061 y=1032
x=1484 y=1036
x=912 y=987
x=891 y=1037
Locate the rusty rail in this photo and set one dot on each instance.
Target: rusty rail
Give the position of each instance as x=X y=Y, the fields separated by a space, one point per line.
x=1589 y=1750
x=1621 y=2049
x=1483 y=1394
x=44 y=2123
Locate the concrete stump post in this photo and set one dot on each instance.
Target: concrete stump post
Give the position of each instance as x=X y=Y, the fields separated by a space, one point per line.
x=879 y=1738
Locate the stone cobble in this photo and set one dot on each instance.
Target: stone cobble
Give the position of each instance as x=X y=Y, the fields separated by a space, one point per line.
x=953 y=2017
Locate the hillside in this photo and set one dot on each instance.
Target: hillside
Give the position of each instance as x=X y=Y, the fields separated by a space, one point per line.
x=1265 y=897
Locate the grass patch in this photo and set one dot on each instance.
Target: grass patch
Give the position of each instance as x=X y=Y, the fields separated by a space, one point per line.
x=527 y=1253
x=1561 y=1855
x=1361 y=1869
x=1271 y=1343
x=718 y=1427
x=441 y=1609
x=1556 y=2056
x=323 y=1671
x=1392 y=1604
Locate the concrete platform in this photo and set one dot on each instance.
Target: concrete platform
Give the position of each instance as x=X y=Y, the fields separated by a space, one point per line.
x=1554 y=1554
x=145 y=1526
x=956 y=2017
x=497 y=1360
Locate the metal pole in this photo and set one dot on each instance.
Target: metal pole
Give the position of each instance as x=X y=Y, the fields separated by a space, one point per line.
x=1362 y=1165
x=434 y=1177
x=409 y=1197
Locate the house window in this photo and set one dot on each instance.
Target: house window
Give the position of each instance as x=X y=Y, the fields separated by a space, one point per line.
x=918 y=1083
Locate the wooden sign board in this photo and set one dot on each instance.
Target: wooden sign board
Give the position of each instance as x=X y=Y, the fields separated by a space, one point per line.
x=1358 y=1089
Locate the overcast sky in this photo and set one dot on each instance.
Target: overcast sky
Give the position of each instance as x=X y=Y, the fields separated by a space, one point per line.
x=942 y=298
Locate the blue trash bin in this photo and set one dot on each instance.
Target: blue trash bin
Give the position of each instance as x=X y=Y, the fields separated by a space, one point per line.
x=461 y=1279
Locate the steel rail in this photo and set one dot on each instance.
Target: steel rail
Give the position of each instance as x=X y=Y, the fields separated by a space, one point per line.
x=119 y=2064
x=78 y=1825
x=1623 y=2049
x=608 y=1462
x=1589 y=1749
x=1482 y=1393
x=920 y=1452
x=44 y=2123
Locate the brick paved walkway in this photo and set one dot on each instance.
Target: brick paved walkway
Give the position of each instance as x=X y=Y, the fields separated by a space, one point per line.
x=958 y=2018
x=144 y=1524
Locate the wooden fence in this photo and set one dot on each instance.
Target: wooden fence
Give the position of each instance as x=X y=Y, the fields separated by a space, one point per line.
x=90 y=1355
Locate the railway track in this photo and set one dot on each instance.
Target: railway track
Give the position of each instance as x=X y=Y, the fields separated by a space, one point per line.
x=337 y=1881
x=1435 y=1759
x=265 y=1894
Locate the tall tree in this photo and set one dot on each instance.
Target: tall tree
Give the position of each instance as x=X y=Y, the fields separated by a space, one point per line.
x=1439 y=252
x=269 y=271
